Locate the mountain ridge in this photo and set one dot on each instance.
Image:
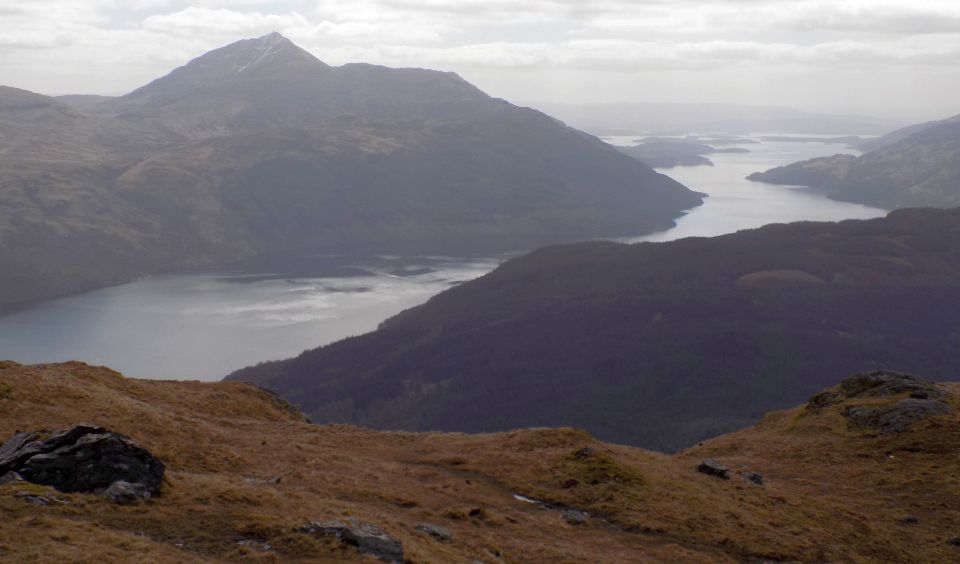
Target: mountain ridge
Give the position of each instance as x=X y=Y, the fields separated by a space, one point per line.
x=658 y=345
x=191 y=170
x=912 y=167
x=238 y=87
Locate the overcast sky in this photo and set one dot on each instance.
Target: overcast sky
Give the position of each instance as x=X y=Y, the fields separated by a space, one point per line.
x=898 y=57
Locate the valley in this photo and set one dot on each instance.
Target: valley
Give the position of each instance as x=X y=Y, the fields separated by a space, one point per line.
x=425 y=282
x=206 y=323
x=259 y=148
x=658 y=345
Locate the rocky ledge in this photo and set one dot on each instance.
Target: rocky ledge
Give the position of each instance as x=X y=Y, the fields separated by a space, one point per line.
x=366 y=537
x=908 y=400
x=83 y=459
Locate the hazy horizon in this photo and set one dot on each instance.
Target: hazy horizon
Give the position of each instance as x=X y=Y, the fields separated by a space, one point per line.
x=845 y=57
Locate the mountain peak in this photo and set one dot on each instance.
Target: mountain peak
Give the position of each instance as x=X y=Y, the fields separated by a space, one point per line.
x=247 y=55
x=262 y=50
x=270 y=57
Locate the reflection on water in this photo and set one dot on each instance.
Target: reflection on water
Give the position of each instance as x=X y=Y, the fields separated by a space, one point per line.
x=202 y=325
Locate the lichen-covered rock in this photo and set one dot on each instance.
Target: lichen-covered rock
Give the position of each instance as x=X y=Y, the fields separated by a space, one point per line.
x=435 y=531
x=83 y=458
x=860 y=393
x=575 y=517
x=37 y=499
x=898 y=416
x=125 y=493
x=882 y=383
x=876 y=384
x=366 y=537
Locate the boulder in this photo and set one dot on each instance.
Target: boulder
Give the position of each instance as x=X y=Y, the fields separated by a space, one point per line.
x=84 y=459
x=125 y=493
x=713 y=468
x=435 y=531
x=10 y=477
x=575 y=517
x=366 y=537
x=898 y=416
x=38 y=499
x=752 y=477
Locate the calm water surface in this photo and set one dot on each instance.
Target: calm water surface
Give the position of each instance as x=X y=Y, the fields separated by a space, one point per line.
x=203 y=325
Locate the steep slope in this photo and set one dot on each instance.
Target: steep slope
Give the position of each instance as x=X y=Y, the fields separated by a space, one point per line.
x=62 y=227
x=417 y=187
x=245 y=475
x=657 y=345
x=914 y=167
x=251 y=83
x=903 y=133
x=259 y=147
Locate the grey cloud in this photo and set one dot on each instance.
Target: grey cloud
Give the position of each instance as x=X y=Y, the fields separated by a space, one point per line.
x=133 y=39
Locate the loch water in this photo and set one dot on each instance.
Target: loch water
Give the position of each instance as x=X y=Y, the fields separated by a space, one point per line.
x=204 y=324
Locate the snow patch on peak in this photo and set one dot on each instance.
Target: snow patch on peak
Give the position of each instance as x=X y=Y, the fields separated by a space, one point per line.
x=262 y=48
x=269 y=39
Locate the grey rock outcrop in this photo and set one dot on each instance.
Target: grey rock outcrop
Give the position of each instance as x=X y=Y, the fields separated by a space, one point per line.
x=575 y=516
x=898 y=416
x=924 y=400
x=366 y=537
x=435 y=531
x=84 y=459
x=125 y=493
x=879 y=384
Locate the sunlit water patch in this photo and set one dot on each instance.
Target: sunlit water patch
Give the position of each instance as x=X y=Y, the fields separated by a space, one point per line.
x=205 y=325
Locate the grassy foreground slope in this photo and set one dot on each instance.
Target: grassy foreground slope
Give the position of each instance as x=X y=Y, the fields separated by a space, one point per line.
x=244 y=472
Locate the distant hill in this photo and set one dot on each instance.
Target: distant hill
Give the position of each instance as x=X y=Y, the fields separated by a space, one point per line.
x=63 y=226
x=83 y=102
x=903 y=133
x=246 y=478
x=912 y=167
x=657 y=345
x=259 y=147
x=669 y=153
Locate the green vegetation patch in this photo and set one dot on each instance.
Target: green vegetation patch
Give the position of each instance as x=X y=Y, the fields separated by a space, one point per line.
x=592 y=466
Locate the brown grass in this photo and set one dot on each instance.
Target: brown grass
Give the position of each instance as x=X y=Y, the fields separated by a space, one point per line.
x=832 y=493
